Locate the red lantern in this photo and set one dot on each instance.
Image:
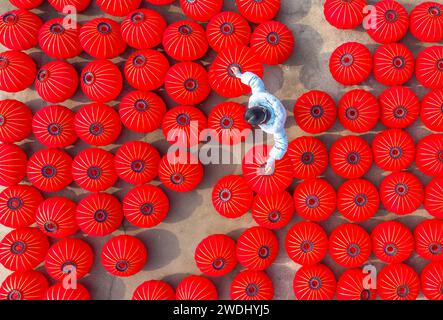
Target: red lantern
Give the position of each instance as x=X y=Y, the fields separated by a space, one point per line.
x=315 y=199
x=400 y=107
x=398 y=282
x=101 y=81
x=221 y=78
x=142 y=111
x=15 y=121
x=429 y=239
x=12 y=164
x=56 y=217
x=252 y=286
x=432 y=280
x=358 y=111
x=187 y=83
x=429 y=157
x=431 y=114
x=351 y=286
x=391 y=22
x=67 y=256
x=160 y=2
x=315 y=112
x=26 y=4
x=427 y=21
x=201 y=10
x=433 y=201
x=401 y=193
x=18 y=205
x=143 y=28
x=154 y=290
x=97 y=124
x=118 y=8
x=180 y=171
x=59 y=292
x=185 y=40
x=215 y=255
x=183 y=125
x=79 y=5
x=357 y=200
x=99 y=214
x=17 y=71
x=59 y=42
x=350 y=157
x=306 y=243
x=28 y=285
x=93 y=170
x=273 y=211
x=19 y=29
x=258 y=11
x=351 y=63
x=273 y=42
x=257 y=248
x=393 y=64
x=145 y=206
x=309 y=157
x=232 y=197
x=146 y=69
x=196 y=288
x=226 y=30
x=56 y=81
x=316 y=282
x=429 y=67
x=137 y=162
x=344 y=14
x=50 y=170
x=23 y=249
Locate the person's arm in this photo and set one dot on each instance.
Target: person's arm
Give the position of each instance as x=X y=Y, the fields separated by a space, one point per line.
x=250 y=79
x=280 y=138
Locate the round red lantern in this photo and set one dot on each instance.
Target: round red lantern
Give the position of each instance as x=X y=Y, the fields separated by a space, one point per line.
x=26 y=4
x=17 y=71
x=429 y=158
x=252 y=286
x=394 y=64
x=201 y=10
x=357 y=200
x=352 y=286
x=59 y=292
x=429 y=67
x=12 y=164
x=79 y=5
x=154 y=290
x=432 y=280
x=358 y=111
x=427 y=21
x=400 y=107
x=56 y=81
x=215 y=255
x=273 y=211
x=196 y=288
x=433 y=202
x=309 y=157
x=316 y=282
x=398 y=282
x=258 y=11
x=429 y=239
x=55 y=217
x=19 y=29
x=15 y=121
x=28 y=285
x=431 y=114
x=59 y=42
x=344 y=14
x=118 y=8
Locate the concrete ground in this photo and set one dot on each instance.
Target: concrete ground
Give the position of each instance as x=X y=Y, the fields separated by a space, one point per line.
x=171 y=245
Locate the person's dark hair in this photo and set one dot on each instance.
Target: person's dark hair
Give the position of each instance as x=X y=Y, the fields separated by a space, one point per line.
x=256 y=115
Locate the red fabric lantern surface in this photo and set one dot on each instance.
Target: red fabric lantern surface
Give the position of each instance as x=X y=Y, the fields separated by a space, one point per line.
x=394 y=64
x=429 y=67
x=23 y=249
x=50 y=170
x=252 y=286
x=398 y=282
x=273 y=42
x=18 y=205
x=351 y=286
x=315 y=199
x=350 y=157
x=187 y=83
x=99 y=214
x=93 y=169
x=79 y=5
x=315 y=112
x=430 y=113
x=185 y=40
x=143 y=28
x=19 y=29
x=67 y=255
x=26 y=4
x=258 y=12
x=196 y=288
x=101 y=81
x=306 y=243
x=429 y=155
x=429 y=239
x=201 y=10
x=55 y=217
x=101 y=38
x=433 y=202
x=357 y=200
x=316 y=282
x=97 y=124
x=309 y=157
x=142 y=111
x=215 y=255
x=392 y=242
x=56 y=81
x=137 y=162
x=227 y=29
x=28 y=285
x=160 y=2
x=257 y=248
x=358 y=111
x=15 y=121
x=344 y=14
x=146 y=69
x=154 y=290
x=351 y=63
x=273 y=211
x=58 y=292
x=17 y=71
x=400 y=107
x=145 y=206
x=59 y=42
x=12 y=164
x=401 y=193
x=118 y=8
x=124 y=256
x=221 y=78
x=427 y=21
x=232 y=197
x=432 y=280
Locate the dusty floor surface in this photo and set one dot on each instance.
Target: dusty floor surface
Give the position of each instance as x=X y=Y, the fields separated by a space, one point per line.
x=171 y=245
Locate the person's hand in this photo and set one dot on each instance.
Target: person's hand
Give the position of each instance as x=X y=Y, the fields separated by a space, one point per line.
x=267 y=170
x=235 y=70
